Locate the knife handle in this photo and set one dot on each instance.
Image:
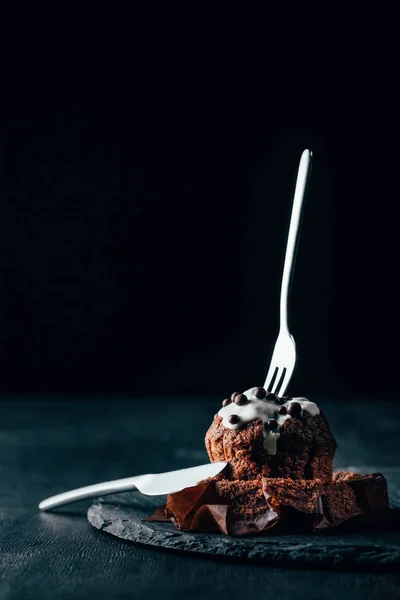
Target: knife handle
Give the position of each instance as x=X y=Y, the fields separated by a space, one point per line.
x=97 y=489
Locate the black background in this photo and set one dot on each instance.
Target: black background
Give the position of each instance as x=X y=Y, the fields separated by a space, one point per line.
x=143 y=230
x=147 y=169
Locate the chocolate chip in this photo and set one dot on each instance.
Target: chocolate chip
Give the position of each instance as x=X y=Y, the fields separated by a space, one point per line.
x=233 y=419
x=271 y=424
x=270 y=396
x=294 y=409
x=282 y=410
x=226 y=402
x=260 y=393
x=234 y=395
x=279 y=400
x=240 y=399
x=287 y=398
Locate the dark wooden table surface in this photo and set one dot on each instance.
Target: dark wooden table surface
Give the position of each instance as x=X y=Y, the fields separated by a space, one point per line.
x=47 y=446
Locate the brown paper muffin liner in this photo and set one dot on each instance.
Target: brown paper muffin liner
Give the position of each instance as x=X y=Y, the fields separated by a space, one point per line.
x=252 y=507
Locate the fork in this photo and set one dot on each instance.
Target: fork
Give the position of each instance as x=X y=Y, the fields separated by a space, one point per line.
x=284 y=357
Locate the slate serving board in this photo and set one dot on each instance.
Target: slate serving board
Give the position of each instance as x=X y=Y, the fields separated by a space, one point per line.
x=355 y=546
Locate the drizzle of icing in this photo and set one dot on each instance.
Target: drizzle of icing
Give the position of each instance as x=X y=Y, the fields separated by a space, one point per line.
x=264 y=410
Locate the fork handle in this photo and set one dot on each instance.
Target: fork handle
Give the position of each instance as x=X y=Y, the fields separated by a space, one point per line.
x=299 y=194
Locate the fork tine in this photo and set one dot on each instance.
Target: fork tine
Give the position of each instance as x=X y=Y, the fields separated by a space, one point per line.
x=285 y=381
x=270 y=377
x=279 y=379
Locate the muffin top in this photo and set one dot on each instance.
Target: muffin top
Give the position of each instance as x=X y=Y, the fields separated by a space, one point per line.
x=256 y=403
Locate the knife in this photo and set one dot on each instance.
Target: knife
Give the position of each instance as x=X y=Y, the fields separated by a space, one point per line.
x=150 y=485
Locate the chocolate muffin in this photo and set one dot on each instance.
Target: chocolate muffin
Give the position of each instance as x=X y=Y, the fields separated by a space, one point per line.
x=262 y=435
x=279 y=454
